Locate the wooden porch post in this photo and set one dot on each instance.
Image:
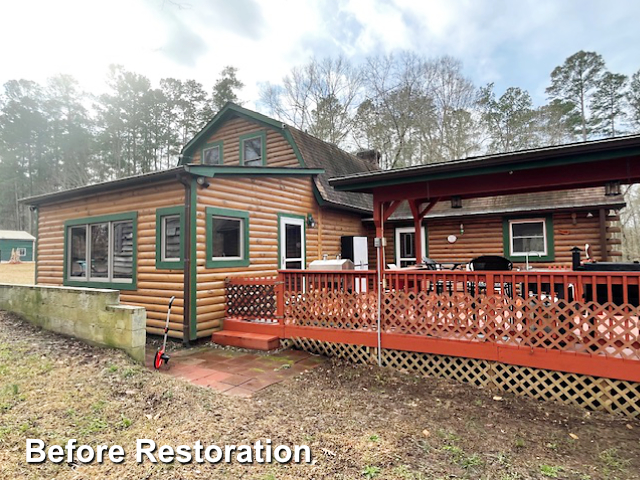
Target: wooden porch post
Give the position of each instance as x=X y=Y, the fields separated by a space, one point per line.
x=418 y=215
x=417 y=226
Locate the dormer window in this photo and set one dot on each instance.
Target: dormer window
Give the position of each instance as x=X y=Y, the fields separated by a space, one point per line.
x=252 y=149
x=212 y=154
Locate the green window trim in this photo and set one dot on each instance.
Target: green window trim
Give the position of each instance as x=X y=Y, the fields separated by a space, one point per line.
x=166 y=212
x=248 y=136
x=133 y=285
x=209 y=145
x=549 y=238
x=396 y=235
x=245 y=261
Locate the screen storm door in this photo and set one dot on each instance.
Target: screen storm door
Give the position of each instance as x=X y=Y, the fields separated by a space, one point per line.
x=292 y=243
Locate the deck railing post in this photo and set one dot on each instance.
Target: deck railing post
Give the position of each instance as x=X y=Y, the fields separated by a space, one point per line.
x=279 y=289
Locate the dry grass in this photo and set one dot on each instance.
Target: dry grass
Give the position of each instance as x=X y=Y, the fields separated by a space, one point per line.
x=19 y=273
x=360 y=422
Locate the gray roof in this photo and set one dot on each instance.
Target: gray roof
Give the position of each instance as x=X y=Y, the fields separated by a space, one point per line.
x=582 y=198
x=336 y=162
x=15 y=235
x=94 y=188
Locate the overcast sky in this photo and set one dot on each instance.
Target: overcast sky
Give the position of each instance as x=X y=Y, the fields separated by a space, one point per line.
x=511 y=43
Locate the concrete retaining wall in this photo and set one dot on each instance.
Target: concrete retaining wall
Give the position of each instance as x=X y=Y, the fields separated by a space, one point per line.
x=93 y=315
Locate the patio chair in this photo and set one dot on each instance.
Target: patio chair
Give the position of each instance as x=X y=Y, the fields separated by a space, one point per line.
x=490 y=263
x=430 y=264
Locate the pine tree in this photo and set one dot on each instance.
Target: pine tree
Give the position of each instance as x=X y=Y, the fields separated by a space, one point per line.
x=608 y=104
x=574 y=81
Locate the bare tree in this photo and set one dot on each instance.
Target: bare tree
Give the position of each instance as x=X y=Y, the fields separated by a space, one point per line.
x=419 y=111
x=454 y=97
x=320 y=97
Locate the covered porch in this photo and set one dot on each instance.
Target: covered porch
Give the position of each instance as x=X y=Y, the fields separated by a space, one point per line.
x=572 y=321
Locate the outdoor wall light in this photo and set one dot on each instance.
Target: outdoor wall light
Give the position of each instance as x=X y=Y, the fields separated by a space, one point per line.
x=202 y=181
x=612 y=189
x=311 y=223
x=456 y=202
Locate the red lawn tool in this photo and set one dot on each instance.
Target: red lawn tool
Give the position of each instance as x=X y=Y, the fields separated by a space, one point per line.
x=161 y=355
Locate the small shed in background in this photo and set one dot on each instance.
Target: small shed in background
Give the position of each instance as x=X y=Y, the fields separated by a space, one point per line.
x=22 y=241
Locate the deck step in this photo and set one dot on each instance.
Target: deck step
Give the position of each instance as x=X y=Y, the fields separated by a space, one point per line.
x=265 y=328
x=253 y=341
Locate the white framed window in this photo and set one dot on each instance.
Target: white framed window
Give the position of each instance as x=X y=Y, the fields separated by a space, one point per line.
x=226 y=238
x=527 y=237
x=22 y=252
x=212 y=155
x=406 y=248
x=252 y=149
x=170 y=238
x=101 y=250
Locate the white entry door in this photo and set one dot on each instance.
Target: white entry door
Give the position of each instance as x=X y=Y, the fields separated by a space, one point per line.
x=292 y=244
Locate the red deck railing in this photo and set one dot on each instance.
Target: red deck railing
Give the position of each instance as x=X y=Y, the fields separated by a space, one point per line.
x=581 y=322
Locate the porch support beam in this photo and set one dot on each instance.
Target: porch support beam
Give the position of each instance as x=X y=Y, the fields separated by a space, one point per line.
x=418 y=215
x=382 y=211
x=390 y=208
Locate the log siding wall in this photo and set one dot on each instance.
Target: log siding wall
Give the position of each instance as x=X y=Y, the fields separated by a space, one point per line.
x=279 y=152
x=264 y=198
x=154 y=286
x=483 y=235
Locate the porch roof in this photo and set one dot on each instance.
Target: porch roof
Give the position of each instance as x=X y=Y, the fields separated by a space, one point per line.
x=576 y=165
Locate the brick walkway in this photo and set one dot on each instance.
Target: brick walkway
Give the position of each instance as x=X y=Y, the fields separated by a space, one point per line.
x=234 y=372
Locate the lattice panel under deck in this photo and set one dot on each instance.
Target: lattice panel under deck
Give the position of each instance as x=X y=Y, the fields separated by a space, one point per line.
x=352 y=353
x=593 y=393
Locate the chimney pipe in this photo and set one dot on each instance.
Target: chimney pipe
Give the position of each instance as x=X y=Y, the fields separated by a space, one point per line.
x=372 y=156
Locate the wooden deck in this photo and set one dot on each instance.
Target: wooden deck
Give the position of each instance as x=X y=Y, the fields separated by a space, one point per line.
x=575 y=322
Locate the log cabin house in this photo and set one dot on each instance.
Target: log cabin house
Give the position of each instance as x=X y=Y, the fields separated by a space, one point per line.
x=251 y=195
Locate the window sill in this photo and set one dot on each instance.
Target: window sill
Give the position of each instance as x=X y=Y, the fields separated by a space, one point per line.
x=108 y=285
x=227 y=263
x=169 y=265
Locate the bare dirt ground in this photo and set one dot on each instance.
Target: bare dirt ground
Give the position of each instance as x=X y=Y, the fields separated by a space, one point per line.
x=19 y=273
x=360 y=422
